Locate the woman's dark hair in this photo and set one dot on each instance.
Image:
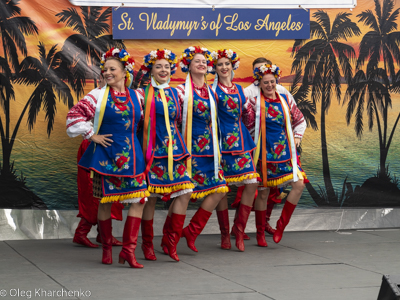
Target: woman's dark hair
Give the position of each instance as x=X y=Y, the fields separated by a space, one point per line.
x=261 y=60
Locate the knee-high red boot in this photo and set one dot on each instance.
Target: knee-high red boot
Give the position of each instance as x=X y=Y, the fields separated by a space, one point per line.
x=268 y=228
x=245 y=236
x=106 y=240
x=260 y=225
x=147 y=238
x=81 y=232
x=195 y=227
x=287 y=212
x=240 y=225
x=129 y=240
x=173 y=234
x=114 y=241
x=167 y=223
x=223 y=221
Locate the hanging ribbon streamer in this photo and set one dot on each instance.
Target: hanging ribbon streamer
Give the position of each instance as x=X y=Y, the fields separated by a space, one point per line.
x=292 y=143
x=264 y=142
x=256 y=152
x=187 y=120
x=100 y=107
x=167 y=125
x=215 y=83
x=214 y=133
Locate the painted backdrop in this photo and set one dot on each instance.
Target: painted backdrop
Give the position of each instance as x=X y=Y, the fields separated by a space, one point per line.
x=345 y=79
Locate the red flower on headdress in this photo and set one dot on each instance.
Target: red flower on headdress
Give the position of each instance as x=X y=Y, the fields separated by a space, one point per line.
x=242 y=162
x=120 y=161
x=160 y=54
x=159 y=172
x=231 y=140
x=116 y=181
x=202 y=143
x=198 y=178
x=197 y=49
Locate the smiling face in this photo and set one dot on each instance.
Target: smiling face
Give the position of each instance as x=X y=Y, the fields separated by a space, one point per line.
x=114 y=74
x=224 y=68
x=198 y=65
x=161 y=71
x=268 y=85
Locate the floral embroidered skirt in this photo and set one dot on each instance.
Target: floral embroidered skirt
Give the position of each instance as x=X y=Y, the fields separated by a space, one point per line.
x=120 y=189
x=203 y=177
x=239 y=169
x=280 y=174
x=160 y=185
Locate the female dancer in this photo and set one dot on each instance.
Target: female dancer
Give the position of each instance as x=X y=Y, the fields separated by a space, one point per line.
x=276 y=144
x=237 y=145
x=199 y=127
x=165 y=153
x=114 y=157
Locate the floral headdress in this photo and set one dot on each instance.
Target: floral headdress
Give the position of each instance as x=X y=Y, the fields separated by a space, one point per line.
x=264 y=70
x=123 y=56
x=228 y=53
x=188 y=55
x=153 y=56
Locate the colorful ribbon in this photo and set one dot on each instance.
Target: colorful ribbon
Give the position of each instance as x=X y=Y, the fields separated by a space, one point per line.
x=187 y=120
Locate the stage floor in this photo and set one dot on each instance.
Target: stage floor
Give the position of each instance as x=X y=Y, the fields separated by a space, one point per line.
x=344 y=264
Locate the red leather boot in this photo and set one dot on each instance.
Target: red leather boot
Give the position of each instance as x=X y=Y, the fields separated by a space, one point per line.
x=260 y=225
x=114 y=241
x=287 y=212
x=129 y=240
x=173 y=234
x=167 y=223
x=81 y=233
x=195 y=227
x=223 y=221
x=106 y=238
x=240 y=225
x=147 y=238
x=268 y=228
x=245 y=236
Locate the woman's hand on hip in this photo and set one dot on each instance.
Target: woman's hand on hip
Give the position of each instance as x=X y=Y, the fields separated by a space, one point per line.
x=102 y=139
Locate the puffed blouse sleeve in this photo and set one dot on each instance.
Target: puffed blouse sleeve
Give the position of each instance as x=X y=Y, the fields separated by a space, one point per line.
x=249 y=114
x=79 y=118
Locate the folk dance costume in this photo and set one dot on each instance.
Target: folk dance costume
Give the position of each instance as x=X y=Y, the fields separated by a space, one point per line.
x=165 y=153
x=299 y=126
x=236 y=146
x=276 y=150
x=88 y=206
x=118 y=169
x=199 y=128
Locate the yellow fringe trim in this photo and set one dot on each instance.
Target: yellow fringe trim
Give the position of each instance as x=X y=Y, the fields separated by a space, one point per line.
x=198 y=195
x=280 y=181
x=171 y=189
x=117 y=198
x=241 y=178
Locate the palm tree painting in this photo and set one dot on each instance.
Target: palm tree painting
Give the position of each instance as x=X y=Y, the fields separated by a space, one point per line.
x=371 y=88
x=13 y=27
x=321 y=59
x=90 y=41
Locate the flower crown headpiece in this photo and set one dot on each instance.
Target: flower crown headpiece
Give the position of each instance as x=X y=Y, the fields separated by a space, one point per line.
x=228 y=53
x=188 y=55
x=153 y=56
x=264 y=70
x=123 y=56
